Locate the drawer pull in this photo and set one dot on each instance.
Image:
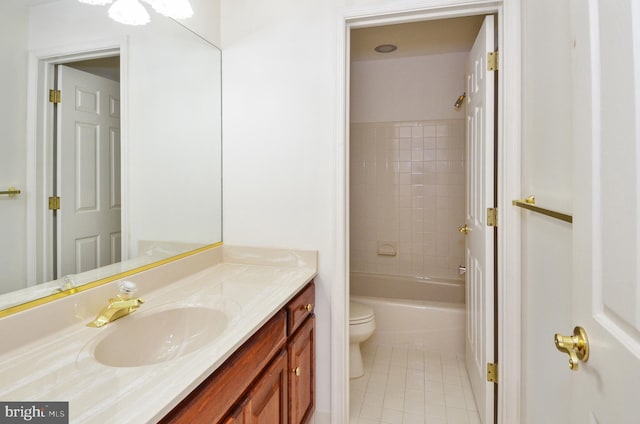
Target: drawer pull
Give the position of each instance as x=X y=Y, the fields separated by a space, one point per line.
x=308 y=307
x=296 y=371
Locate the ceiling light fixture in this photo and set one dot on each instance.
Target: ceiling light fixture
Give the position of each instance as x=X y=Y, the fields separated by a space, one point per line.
x=132 y=12
x=129 y=12
x=386 y=48
x=96 y=2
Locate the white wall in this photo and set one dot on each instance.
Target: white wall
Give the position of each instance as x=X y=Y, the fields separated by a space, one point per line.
x=279 y=128
x=407 y=88
x=13 y=74
x=281 y=106
x=547 y=173
x=205 y=20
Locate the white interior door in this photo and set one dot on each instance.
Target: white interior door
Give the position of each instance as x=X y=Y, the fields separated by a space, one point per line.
x=479 y=340
x=606 y=286
x=88 y=172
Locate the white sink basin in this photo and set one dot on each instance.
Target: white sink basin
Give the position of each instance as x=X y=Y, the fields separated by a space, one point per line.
x=159 y=336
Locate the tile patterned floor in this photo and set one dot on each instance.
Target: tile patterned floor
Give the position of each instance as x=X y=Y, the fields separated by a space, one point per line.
x=407 y=385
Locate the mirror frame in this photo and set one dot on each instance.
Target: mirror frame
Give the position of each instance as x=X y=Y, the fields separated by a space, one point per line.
x=50 y=298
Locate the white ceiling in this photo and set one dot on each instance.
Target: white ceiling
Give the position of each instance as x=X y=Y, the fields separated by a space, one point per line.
x=416 y=38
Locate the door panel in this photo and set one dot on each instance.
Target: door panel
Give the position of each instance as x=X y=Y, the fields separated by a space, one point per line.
x=89 y=172
x=268 y=398
x=480 y=238
x=301 y=352
x=606 y=286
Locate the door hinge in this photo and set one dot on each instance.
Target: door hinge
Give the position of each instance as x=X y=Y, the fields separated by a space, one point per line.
x=492 y=372
x=54 y=203
x=492 y=217
x=492 y=61
x=55 y=96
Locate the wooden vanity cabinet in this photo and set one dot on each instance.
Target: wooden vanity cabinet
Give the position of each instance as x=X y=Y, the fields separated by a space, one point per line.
x=270 y=379
x=302 y=379
x=301 y=351
x=266 y=402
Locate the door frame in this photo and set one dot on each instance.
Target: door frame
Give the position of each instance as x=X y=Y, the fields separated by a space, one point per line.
x=508 y=176
x=39 y=139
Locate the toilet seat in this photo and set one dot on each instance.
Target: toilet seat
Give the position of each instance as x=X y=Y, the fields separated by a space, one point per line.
x=359 y=313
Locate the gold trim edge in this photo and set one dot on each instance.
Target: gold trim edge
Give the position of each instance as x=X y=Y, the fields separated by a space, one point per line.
x=44 y=300
x=530 y=204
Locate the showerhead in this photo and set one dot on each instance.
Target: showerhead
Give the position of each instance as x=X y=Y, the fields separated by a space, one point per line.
x=458 y=104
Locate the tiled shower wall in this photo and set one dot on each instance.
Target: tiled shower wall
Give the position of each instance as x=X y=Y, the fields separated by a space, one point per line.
x=407 y=191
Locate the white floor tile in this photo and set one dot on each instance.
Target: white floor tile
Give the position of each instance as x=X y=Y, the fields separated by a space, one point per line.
x=395 y=402
x=434 y=398
x=371 y=411
x=435 y=411
x=435 y=420
x=413 y=418
x=406 y=384
x=474 y=418
x=392 y=416
x=433 y=386
x=457 y=416
x=364 y=421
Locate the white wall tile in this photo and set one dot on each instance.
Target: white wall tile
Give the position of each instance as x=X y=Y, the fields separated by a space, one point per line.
x=407 y=185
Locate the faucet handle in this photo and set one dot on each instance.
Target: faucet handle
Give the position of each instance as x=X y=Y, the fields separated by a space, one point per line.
x=127 y=289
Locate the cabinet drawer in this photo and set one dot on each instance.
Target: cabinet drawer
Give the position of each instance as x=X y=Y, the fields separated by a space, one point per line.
x=300 y=307
x=218 y=393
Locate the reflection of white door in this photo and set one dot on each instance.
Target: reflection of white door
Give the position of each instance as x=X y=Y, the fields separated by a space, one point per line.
x=479 y=338
x=606 y=225
x=88 y=172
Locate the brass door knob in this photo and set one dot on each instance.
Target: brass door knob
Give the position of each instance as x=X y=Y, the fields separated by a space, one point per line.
x=464 y=229
x=308 y=307
x=576 y=346
x=296 y=371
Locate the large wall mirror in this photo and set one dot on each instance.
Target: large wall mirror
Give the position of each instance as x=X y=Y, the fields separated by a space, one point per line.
x=123 y=171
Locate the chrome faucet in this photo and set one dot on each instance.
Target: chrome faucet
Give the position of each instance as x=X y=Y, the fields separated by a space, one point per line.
x=123 y=304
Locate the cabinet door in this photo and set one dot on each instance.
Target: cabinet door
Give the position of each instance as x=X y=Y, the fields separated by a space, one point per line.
x=301 y=349
x=238 y=416
x=267 y=400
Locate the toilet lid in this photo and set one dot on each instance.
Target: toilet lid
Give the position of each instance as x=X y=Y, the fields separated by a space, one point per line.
x=359 y=313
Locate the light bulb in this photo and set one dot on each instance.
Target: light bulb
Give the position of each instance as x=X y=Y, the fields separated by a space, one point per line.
x=177 y=9
x=129 y=12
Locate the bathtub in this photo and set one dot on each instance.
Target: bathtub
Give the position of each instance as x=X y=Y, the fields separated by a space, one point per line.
x=413 y=312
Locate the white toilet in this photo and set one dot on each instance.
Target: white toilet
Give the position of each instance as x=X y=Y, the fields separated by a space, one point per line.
x=362 y=323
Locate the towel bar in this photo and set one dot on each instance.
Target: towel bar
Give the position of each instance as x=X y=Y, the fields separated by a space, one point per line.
x=11 y=192
x=530 y=204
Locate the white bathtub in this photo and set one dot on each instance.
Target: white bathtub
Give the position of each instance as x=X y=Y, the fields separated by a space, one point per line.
x=436 y=323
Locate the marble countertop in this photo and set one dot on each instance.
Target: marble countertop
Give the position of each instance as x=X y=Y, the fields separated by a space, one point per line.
x=249 y=285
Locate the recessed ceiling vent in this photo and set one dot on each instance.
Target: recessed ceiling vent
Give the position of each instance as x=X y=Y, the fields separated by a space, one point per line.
x=386 y=48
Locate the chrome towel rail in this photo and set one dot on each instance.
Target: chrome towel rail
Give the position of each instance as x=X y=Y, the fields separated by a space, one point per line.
x=530 y=204
x=11 y=192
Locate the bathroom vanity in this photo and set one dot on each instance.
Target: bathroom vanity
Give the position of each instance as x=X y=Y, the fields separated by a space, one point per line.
x=270 y=379
x=226 y=335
